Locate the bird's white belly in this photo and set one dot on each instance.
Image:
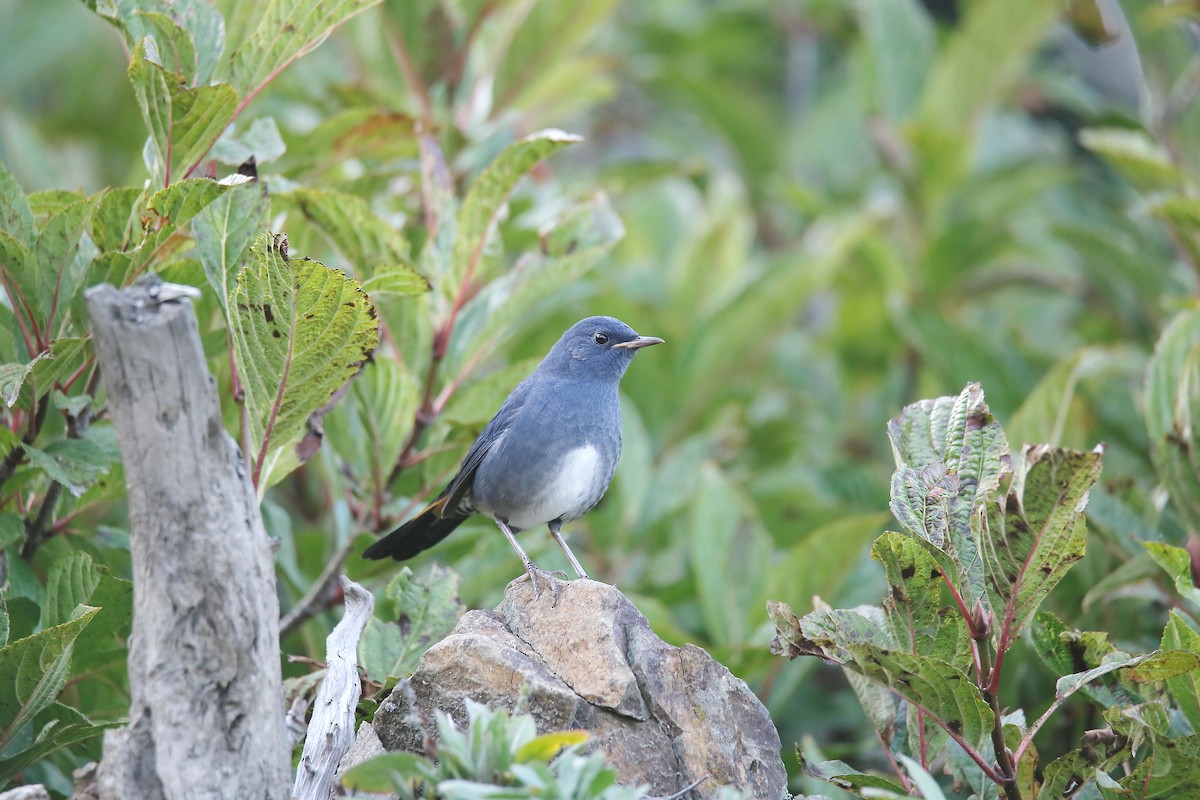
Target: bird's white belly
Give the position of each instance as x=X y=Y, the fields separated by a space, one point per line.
x=568 y=493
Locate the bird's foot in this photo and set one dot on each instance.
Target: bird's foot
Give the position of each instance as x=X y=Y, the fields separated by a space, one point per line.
x=551 y=577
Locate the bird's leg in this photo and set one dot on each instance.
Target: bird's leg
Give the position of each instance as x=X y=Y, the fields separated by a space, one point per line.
x=554 y=526
x=531 y=569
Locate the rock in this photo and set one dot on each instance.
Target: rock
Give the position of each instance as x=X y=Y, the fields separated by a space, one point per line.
x=665 y=716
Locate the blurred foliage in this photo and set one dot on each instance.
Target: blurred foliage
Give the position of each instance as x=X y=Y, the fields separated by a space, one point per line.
x=828 y=208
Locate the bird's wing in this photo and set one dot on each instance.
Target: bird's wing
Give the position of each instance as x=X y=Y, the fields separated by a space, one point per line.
x=455 y=493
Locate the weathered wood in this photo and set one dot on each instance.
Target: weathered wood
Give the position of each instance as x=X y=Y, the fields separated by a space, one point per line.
x=331 y=729
x=206 y=713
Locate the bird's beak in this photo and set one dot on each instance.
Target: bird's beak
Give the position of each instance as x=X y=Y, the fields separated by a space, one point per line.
x=639 y=343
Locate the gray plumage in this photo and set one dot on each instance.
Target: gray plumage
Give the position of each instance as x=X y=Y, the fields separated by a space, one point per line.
x=548 y=455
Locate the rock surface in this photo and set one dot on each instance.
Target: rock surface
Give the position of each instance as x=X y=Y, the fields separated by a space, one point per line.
x=665 y=716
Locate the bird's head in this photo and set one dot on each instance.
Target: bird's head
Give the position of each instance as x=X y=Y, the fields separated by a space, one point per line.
x=599 y=346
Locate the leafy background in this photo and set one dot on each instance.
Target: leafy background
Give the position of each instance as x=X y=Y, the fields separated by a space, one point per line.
x=828 y=209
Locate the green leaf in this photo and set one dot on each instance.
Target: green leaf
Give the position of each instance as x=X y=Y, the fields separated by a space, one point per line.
x=844 y=776
x=115 y=219
x=287 y=30
x=58 y=362
x=487 y=196
x=950 y=457
x=1185 y=688
x=63 y=256
x=16 y=217
x=856 y=640
x=54 y=727
x=261 y=141
x=388 y=771
x=75 y=463
x=33 y=671
x=1173 y=413
x=12 y=529
x=12 y=378
x=370 y=427
x=1135 y=153
x=477 y=402
x=4 y=621
x=716 y=524
x=300 y=331
x=179 y=27
x=900 y=42
x=180 y=202
x=396 y=280
x=75 y=580
x=418 y=613
x=183 y=123
x=1177 y=563
x=1038 y=531
x=365 y=240
x=224 y=231
x=549 y=745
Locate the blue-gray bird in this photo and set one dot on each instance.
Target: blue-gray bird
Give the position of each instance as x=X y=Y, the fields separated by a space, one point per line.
x=547 y=456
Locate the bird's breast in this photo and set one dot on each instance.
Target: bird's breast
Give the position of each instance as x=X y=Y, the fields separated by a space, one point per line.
x=530 y=497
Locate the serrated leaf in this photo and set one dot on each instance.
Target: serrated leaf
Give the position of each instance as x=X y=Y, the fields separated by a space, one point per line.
x=16 y=217
x=419 y=611
x=33 y=671
x=183 y=122
x=1177 y=563
x=1038 y=531
x=63 y=254
x=58 y=362
x=488 y=194
x=287 y=30
x=224 y=231
x=396 y=280
x=73 y=580
x=950 y=457
x=365 y=240
x=300 y=330
x=180 y=202
x=75 y=463
x=199 y=20
x=115 y=218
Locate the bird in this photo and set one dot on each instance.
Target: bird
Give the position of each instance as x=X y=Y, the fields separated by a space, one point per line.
x=546 y=457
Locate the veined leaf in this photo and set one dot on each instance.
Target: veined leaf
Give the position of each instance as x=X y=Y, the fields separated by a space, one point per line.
x=852 y=639
x=75 y=463
x=33 y=671
x=183 y=123
x=419 y=611
x=287 y=30
x=12 y=378
x=1177 y=563
x=74 y=580
x=365 y=240
x=190 y=34
x=369 y=427
x=396 y=280
x=1037 y=531
x=1185 y=688
x=950 y=456
x=224 y=231
x=488 y=194
x=300 y=330
x=115 y=220
x=16 y=217
x=12 y=530
x=1173 y=414
x=53 y=727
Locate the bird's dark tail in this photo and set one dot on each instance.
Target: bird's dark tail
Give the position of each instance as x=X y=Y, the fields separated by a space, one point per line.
x=418 y=534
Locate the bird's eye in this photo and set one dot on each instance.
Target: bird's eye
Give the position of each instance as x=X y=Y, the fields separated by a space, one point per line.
x=600 y=337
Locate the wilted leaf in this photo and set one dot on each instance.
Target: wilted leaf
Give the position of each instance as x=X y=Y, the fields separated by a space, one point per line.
x=1038 y=531
x=300 y=330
